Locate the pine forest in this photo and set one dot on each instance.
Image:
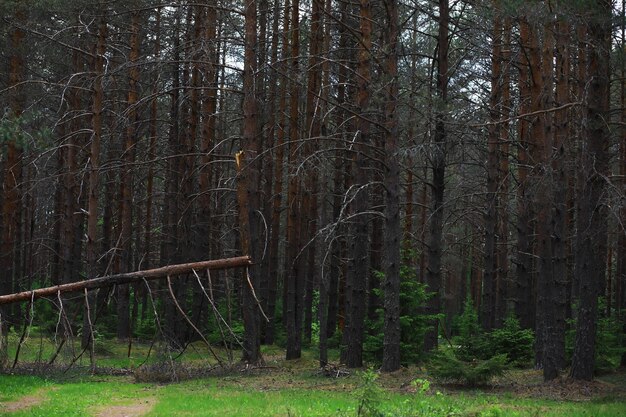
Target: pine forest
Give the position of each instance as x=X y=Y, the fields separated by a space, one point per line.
x=378 y=183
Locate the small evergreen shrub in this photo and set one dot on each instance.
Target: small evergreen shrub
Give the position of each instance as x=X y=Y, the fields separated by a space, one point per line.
x=609 y=346
x=474 y=343
x=413 y=324
x=468 y=343
x=225 y=337
x=371 y=400
x=218 y=333
x=369 y=395
x=609 y=341
x=475 y=356
x=145 y=329
x=445 y=366
x=511 y=339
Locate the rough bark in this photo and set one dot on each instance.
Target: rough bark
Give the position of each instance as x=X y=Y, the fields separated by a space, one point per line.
x=170 y=249
x=620 y=276
x=152 y=148
x=249 y=180
x=438 y=160
x=12 y=166
x=324 y=279
x=313 y=131
x=294 y=282
x=357 y=272
x=277 y=195
x=543 y=133
x=503 y=285
x=559 y=210
x=126 y=180
x=522 y=293
x=391 y=340
x=593 y=212
x=94 y=173
x=488 y=313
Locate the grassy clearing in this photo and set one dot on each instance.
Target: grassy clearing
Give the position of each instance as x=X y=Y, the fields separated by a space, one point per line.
x=255 y=395
x=295 y=388
x=231 y=397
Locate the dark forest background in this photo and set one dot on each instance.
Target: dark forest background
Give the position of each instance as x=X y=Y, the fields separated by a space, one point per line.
x=388 y=164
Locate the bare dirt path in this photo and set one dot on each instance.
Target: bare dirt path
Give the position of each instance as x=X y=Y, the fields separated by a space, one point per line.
x=140 y=408
x=25 y=402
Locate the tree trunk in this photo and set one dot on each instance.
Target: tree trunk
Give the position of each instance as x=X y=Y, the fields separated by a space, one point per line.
x=249 y=196
x=277 y=197
x=128 y=278
x=503 y=287
x=620 y=276
x=294 y=282
x=593 y=212
x=126 y=180
x=94 y=176
x=357 y=271
x=542 y=131
x=11 y=187
x=391 y=341
x=152 y=151
x=491 y=220
x=559 y=211
x=313 y=129
x=269 y=131
x=438 y=158
x=170 y=252
x=524 y=262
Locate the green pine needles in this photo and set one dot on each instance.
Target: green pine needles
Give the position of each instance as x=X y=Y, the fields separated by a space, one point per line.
x=413 y=323
x=475 y=356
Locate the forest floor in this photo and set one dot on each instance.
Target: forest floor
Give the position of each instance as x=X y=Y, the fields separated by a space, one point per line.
x=121 y=387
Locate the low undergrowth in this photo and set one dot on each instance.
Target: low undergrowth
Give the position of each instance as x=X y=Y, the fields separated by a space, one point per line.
x=297 y=388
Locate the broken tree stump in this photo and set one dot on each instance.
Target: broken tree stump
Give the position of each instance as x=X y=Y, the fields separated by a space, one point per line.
x=127 y=278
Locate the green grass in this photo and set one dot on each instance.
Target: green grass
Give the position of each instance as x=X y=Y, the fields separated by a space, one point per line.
x=15 y=387
x=283 y=388
x=255 y=396
x=38 y=348
x=202 y=399
x=238 y=397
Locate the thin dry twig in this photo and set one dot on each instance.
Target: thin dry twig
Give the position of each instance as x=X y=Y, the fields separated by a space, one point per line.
x=27 y=324
x=92 y=341
x=218 y=316
x=258 y=303
x=188 y=320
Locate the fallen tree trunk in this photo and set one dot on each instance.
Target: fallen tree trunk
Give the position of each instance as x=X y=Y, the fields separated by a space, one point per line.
x=127 y=278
